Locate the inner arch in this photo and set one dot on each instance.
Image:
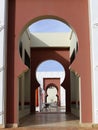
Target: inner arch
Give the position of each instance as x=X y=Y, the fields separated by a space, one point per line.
x=47 y=33
x=50 y=69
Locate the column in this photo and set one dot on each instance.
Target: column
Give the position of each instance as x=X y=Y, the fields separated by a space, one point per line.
x=68 y=93
x=3 y=23
x=94 y=53
x=32 y=101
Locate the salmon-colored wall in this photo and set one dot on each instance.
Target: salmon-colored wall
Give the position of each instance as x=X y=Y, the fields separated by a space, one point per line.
x=76 y=14
x=55 y=81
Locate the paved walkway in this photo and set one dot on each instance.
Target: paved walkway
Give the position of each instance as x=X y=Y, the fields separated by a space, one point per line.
x=50 y=121
x=51 y=128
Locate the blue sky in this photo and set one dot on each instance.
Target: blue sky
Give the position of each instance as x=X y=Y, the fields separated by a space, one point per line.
x=50 y=65
x=49 y=25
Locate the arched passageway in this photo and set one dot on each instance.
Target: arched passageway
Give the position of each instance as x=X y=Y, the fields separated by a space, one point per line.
x=58 y=54
x=15 y=66
x=50 y=74
x=52 y=95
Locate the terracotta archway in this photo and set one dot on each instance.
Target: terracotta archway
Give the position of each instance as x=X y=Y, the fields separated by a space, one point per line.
x=24 y=13
x=39 y=55
x=47 y=82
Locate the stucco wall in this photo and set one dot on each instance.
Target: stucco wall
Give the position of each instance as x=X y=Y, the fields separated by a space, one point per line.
x=94 y=53
x=59 y=39
x=27 y=86
x=24 y=94
x=74 y=82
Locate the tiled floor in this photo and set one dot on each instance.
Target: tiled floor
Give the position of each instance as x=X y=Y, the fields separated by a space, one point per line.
x=49 y=120
x=50 y=117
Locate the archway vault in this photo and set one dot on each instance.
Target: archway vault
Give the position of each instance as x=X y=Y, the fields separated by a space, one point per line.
x=53 y=82
x=41 y=54
x=65 y=10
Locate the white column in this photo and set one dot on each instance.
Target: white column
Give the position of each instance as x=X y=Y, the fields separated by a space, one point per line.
x=95 y=73
x=94 y=54
x=3 y=33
